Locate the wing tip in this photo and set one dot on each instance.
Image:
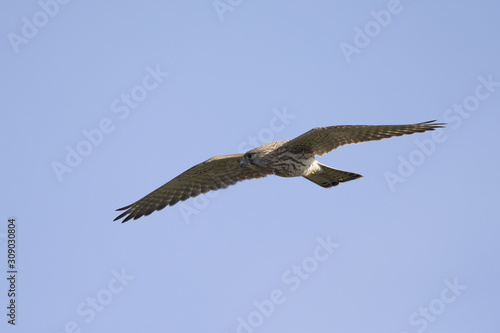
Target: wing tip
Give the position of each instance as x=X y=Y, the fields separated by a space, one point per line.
x=128 y=218
x=128 y=211
x=123 y=208
x=432 y=124
x=123 y=215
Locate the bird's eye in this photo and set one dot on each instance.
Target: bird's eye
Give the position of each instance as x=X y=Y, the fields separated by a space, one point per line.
x=248 y=155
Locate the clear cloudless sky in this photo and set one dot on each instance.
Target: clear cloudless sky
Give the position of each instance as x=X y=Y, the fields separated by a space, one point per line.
x=103 y=102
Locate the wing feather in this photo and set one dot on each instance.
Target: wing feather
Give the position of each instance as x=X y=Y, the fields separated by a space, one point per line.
x=215 y=173
x=322 y=140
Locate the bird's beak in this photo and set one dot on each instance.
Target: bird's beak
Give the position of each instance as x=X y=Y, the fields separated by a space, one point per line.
x=243 y=162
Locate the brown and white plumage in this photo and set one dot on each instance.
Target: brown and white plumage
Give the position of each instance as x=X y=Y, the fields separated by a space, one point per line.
x=289 y=158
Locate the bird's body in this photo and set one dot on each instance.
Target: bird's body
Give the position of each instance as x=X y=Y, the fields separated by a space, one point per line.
x=277 y=160
x=288 y=158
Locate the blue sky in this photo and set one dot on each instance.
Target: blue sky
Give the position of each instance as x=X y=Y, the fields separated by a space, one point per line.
x=105 y=102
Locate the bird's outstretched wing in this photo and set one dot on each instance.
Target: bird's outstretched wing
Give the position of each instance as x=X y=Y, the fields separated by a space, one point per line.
x=213 y=174
x=322 y=140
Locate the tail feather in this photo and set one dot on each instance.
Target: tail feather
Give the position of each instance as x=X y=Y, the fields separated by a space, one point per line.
x=328 y=177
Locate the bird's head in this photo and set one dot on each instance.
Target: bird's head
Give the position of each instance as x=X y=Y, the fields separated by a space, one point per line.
x=259 y=157
x=249 y=158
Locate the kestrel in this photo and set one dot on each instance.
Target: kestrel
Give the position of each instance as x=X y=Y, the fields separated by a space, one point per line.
x=288 y=158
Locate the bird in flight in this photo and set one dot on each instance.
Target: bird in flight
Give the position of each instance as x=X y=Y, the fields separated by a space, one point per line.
x=288 y=158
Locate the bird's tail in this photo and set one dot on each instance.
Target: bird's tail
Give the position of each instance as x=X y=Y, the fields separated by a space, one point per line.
x=328 y=177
